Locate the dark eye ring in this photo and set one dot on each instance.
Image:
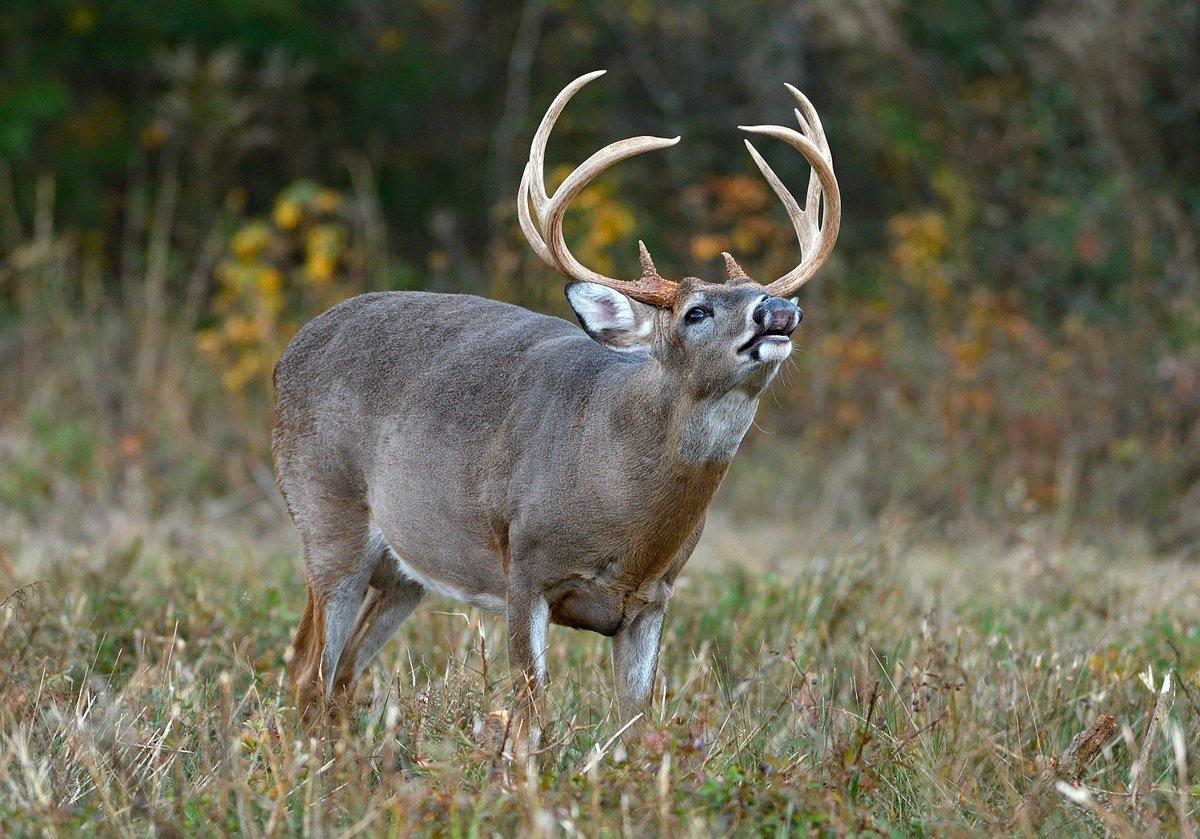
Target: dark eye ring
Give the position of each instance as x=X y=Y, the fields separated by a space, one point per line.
x=697 y=314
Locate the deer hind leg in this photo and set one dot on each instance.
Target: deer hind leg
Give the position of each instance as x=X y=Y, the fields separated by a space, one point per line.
x=339 y=564
x=390 y=601
x=323 y=632
x=305 y=665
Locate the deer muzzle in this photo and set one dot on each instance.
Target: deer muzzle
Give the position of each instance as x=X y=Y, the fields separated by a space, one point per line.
x=774 y=320
x=776 y=316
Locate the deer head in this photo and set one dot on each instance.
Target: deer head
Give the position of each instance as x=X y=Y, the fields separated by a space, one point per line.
x=714 y=337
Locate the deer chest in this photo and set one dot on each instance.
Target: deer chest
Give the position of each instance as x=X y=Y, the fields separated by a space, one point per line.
x=604 y=601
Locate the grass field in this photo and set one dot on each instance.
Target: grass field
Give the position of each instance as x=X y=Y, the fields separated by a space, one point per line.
x=872 y=686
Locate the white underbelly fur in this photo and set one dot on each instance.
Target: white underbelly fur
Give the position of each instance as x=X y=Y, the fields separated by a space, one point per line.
x=483 y=600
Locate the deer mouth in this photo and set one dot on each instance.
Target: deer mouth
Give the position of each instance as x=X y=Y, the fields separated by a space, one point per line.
x=765 y=338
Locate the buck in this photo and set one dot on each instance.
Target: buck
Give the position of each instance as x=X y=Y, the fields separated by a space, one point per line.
x=509 y=460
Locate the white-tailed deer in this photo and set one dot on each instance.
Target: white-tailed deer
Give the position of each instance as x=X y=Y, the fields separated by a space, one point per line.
x=507 y=459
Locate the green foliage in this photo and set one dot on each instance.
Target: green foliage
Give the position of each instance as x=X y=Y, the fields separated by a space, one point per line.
x=65 y=448
x=1010 y=327
x=68 y=447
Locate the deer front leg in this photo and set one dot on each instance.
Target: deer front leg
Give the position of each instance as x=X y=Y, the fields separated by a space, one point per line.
x=635 y=657
x=636 y=644
x=528 y=620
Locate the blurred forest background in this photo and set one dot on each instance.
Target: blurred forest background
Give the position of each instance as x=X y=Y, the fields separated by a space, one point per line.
x=1008 y=335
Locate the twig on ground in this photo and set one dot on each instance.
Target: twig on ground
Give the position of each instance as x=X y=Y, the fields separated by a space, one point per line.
x=600 y=751
x=1139 y=783
x=1041 y=800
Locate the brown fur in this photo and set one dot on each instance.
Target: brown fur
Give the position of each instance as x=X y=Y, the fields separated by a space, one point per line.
x=507 y=458
x=344 y=678
x=305 y=666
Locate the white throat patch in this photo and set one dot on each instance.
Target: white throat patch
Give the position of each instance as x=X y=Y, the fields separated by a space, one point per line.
x=717 y=427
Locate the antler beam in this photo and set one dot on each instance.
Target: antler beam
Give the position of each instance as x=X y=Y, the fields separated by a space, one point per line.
x=816 y=222
x=544 y=226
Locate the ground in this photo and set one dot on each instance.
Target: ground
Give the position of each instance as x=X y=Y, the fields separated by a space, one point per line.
x=871 y=684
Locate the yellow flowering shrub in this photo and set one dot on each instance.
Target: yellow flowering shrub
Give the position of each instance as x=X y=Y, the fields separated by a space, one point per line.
x=276 y=274
x=919 y=246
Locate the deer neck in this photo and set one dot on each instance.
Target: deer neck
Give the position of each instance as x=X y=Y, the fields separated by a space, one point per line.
x=709 y=430
x=676 y=449
x=692 y=436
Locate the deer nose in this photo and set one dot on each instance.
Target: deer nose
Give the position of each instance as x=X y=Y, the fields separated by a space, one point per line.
x=774 y=314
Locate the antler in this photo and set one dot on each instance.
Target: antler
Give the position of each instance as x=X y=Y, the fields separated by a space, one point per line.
x=544 y=228
x=816 y=230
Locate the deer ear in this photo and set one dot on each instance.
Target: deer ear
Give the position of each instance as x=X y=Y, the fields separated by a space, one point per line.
x=610 y=317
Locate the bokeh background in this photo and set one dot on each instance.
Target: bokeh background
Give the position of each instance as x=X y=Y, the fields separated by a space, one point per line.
x=1008 y=335
x=963 y=530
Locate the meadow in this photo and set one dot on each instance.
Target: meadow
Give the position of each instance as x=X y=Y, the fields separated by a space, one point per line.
x=951 y=583
x=865 y=685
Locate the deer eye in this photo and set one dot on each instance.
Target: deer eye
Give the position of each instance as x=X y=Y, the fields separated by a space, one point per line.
x=697 y=314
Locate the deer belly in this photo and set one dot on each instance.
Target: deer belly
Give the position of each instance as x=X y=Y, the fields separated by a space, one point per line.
x=463 y=580
x=588 y=606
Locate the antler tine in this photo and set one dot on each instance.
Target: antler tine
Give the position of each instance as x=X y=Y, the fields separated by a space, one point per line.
x=817 y=223
x=801 y=221
x=735 y=272
x=809 y=119
x=543 y=228
x=537 y=150
x=528 y=227
x=648 y=269
x=533 y=178
x=810 y=126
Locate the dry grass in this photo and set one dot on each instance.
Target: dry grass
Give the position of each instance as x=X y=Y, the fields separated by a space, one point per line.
x=861 y=687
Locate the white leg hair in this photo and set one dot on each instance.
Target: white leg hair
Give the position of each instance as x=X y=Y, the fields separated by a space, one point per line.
x=539 y=622
x=635 y=656
x=341 y=609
